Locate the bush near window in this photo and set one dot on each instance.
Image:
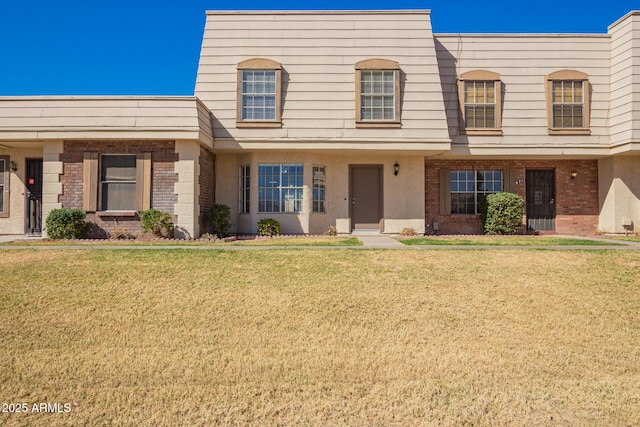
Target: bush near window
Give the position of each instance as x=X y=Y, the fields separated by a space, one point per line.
x=504 y=213
x=157 y=222
x=219 y=220
x=65 y=223
x=268 y=227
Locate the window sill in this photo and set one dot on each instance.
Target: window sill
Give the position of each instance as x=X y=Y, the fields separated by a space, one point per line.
x=489 y=132
x=379 y=125
x=117 y=213
x=577 y=131
x=248 y=124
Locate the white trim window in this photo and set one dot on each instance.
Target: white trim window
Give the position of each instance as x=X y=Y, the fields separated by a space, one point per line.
x=4 y=182
x=259 y=95
x=378 y=95
x=245 y=189
x=118 y=182
x=470 y=187
x=280 y=188
x=319 y=189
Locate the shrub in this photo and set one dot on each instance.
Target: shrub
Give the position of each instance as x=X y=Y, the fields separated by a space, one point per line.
x=65 y=223
x=219 y=217
x=268 y=227
x=331 y=231
x=504 y=213
x=121 y=233
x=157 y=222
x=408 y=231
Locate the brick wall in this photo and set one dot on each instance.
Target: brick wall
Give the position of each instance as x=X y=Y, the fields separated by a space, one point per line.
x=207 y=187
x=576 y=199
x=163 y=177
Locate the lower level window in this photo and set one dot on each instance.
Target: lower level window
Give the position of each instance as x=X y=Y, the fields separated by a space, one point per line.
x=4 y=181
x=469 y=188
x=245 y=190
x=118 y=183
x=280 y=188
x=319 y=189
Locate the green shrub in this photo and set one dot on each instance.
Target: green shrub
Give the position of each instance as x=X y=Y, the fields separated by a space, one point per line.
x=157 y=222
x=268 y=227
x=65 y=223
x=504 y=213
x=219 y=220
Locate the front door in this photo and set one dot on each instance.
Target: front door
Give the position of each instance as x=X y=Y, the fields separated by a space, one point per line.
x=541 y=208
x=33 y=220
x=365 y=189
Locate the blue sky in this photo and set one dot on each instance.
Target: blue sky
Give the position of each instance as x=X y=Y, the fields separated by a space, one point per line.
x=140 y=47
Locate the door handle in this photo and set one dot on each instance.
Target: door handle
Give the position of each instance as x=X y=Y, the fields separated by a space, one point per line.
x=552 y=202
x=353 y=200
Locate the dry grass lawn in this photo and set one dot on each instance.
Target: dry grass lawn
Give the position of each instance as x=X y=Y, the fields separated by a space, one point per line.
x=309 y=337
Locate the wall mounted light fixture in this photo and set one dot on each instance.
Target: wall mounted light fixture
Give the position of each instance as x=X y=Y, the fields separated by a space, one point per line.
x=14 y=166
x=574 y=174
x=396 y=169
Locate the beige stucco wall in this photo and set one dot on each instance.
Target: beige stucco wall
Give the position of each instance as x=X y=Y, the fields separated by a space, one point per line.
x=619 y=184
x=15 y=224
x=187 y=189
x=403 y=195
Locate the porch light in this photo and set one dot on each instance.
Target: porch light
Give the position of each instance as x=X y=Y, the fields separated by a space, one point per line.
x=14 y=166
x=574 y=174
x=396 y=169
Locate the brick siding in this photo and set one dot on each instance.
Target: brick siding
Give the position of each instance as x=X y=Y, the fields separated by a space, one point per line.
x=576 y=199
x=163 y=178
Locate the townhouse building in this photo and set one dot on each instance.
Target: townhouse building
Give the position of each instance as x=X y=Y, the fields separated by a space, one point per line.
x=361 y=120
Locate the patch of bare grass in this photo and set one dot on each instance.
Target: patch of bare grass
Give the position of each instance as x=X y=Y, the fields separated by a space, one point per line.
x=321 y=337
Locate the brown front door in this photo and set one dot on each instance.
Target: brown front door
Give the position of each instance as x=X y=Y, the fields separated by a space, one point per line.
x=541 y=204
x=365 y=190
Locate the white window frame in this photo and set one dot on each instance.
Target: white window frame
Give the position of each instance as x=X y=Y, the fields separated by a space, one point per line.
x=319 y=186
x=4 y=186
x=280 y=193
x=473 y=186
x=254 y=67
x=245 y=189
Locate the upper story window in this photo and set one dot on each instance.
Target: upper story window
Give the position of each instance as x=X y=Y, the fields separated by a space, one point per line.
x=480 y=103
x=567 y=93
x=259 y=93
x=377 y=93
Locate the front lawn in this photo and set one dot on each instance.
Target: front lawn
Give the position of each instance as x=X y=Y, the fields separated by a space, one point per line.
x=307 y=337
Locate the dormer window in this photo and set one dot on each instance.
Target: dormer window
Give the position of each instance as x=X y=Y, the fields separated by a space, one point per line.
x=567 y=93
x=480 y=103
x=377 y=93
x=259 y=93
